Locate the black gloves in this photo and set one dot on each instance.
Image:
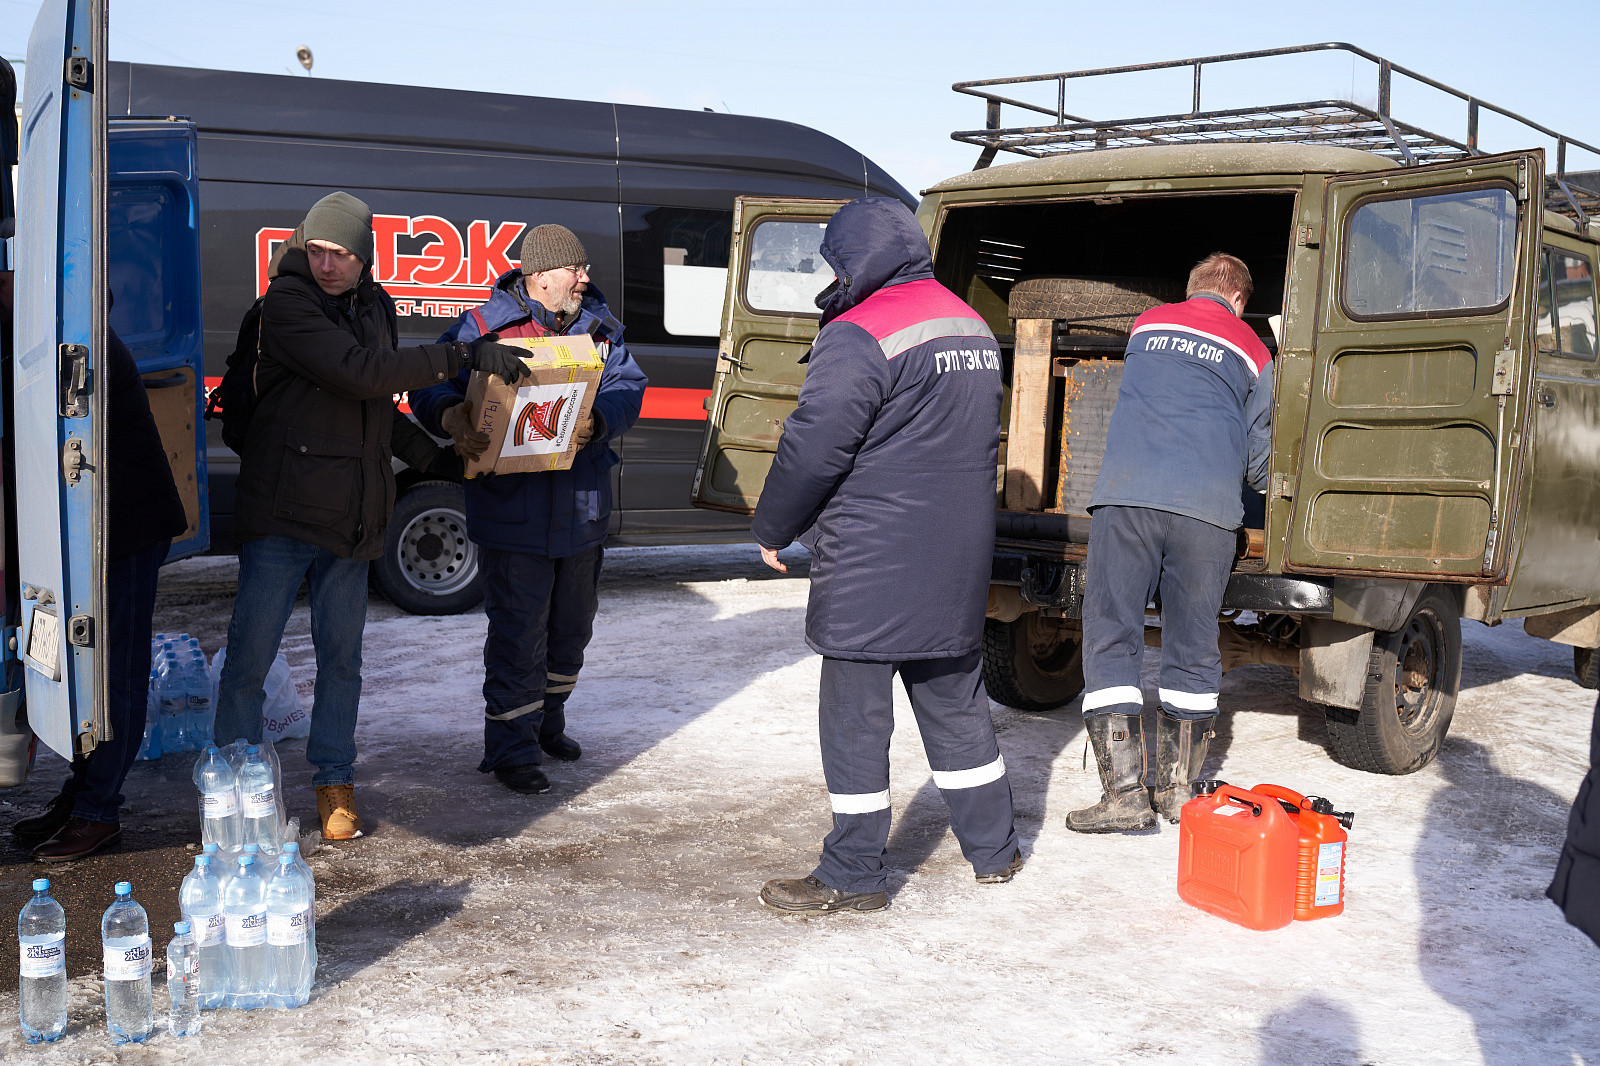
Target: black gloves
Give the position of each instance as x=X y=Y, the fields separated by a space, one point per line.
x=489 y=355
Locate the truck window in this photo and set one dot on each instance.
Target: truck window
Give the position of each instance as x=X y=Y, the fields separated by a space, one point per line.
x=1566 y=306
x=674 y=273
x=1410 y=255
x=786 y=269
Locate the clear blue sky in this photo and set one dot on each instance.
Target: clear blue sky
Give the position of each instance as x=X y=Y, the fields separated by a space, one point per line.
x=875 y=74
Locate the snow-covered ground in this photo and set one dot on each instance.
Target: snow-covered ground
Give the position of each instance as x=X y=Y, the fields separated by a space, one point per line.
x=615 y=918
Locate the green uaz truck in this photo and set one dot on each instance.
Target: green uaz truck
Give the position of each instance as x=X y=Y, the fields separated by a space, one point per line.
x=1431 y=309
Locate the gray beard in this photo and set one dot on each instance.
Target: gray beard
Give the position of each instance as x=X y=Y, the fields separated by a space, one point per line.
x=572 y=304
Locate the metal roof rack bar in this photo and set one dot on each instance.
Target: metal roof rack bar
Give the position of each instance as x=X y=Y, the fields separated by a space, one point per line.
x=1371 y=129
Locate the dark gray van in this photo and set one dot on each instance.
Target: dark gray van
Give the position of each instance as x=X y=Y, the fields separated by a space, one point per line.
x=453 y=179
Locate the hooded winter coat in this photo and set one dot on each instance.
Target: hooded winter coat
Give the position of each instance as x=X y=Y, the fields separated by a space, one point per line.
x=316 y=460
x=559 y=512
x=886 y=469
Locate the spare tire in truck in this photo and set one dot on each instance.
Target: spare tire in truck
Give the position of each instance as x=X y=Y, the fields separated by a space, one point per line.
x=1413 y=676
x=1092 y=306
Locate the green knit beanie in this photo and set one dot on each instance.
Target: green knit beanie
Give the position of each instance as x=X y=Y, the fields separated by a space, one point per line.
x=549 y=247
x=341 y=219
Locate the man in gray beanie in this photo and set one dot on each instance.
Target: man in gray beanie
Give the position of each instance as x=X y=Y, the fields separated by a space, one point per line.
x=539 y=535
x=315 y=486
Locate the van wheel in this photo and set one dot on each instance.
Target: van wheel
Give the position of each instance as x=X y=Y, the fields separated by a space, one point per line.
x=1586 y=667
x=1032 y=664
x=1092 y=306
x=428 y=565
x=1412 y=679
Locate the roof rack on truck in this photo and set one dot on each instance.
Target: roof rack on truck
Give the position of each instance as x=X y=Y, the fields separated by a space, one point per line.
x=1342 y=122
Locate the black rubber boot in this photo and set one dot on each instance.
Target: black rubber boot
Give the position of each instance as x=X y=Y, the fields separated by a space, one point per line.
x=1119 y=756
x=807 y=895
x=1180 y=750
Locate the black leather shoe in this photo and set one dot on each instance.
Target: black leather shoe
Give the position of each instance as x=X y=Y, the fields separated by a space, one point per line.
x=1000 y=877
x=80 y=838
x=810 y=896
x=31 y=832
x=528 y=780
x=561 y=747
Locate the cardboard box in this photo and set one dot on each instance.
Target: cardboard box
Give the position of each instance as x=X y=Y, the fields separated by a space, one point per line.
x=530 y=428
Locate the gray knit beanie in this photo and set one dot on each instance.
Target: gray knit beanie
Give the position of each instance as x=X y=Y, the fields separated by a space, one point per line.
x=341 y=219
x=550 y=246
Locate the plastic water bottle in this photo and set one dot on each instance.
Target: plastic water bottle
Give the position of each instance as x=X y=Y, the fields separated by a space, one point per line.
x=200 y=900
x=125 y=939
x=197 y=682
x=245 y=908
x=221 y=821
x=151 y=747
x=174 y=700
x=42 y=995
x=183 y=982
x=258 y=799
x=291 y=935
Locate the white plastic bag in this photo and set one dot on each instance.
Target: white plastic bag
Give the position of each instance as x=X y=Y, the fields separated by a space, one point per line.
x=282 y=716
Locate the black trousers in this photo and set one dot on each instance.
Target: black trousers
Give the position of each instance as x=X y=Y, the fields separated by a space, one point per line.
x=541 y=616
x=855 y=721
x=96 y=782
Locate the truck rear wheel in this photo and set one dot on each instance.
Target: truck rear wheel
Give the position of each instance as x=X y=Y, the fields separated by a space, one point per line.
x=1412 y=679
x=1092 y=306
x=1032 y=664
x=428 y=564
x=1586 y=667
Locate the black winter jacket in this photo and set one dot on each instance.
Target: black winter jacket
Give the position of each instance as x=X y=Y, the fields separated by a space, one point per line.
x=316 y=460
x=1576 y=888
x=142 y=498
x=888 y=464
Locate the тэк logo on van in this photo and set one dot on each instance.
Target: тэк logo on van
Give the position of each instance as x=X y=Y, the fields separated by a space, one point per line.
x=443 y=279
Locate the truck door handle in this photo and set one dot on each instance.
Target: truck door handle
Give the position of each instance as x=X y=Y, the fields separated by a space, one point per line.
x=1546 y=400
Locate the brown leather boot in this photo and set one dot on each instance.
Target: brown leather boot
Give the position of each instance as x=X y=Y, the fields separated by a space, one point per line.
x=336 y=806
x=79 y=839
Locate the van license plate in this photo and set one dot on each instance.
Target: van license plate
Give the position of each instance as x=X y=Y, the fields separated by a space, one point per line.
x=44 y=643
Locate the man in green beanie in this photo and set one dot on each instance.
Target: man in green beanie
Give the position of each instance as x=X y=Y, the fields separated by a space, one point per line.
x=315 y=487
x=539 y=536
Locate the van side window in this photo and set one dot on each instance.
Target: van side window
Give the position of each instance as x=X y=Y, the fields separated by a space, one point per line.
x=786 y=269
x=1566 y=323
x=674 y=273
x=1430 y=252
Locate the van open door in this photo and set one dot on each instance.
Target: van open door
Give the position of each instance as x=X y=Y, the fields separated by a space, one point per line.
x=1414 y=441
x=57 y=417
x=153 y=272
x=769 y=320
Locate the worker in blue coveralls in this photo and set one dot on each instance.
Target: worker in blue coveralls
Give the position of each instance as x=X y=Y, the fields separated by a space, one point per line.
x=1193 y=420
x=539 y=535
x=886 y=473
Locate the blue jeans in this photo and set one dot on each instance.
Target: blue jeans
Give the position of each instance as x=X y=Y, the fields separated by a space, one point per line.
x=270 y=571
x=96 y=782
x=541 y=616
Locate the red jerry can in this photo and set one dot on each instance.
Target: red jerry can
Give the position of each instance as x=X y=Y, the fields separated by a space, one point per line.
x=1319 y=885
x=1237 y=856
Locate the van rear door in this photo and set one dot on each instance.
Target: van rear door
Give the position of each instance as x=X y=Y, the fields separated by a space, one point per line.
x=58 y=409
x=153 y=256
x=1415 y=420
x=769 y=320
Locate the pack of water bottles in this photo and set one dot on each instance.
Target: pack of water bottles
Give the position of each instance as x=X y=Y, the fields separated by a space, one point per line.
x=179 y=711
x=246 y=941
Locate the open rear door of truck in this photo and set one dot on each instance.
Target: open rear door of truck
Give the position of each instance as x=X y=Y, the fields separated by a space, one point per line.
x=58 y=400
x=1415 y=420
x=769 y=320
